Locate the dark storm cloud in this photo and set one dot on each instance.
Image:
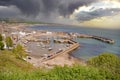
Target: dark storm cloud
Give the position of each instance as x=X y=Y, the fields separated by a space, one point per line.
x=85 y=16
x=68 y=6
x=9 y=12
x=29 y=7
x=34 y=7
x=5 y=2
x=46 y=8
x=50 y=6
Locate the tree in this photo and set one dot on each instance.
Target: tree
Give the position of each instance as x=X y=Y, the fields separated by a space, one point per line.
x=1 y=45
x=1 y=38
x=9 y=42
x=19 y=51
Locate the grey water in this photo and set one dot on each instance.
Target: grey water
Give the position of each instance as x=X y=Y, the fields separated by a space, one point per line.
x=89 y=47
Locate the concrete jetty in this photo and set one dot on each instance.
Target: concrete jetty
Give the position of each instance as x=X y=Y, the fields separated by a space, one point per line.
x=60 y=41
x=38 y=40
x=74 y=45
x=103 y=39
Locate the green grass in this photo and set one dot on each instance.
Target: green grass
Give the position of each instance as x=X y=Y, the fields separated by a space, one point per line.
x=13 y=68
x=9 y=60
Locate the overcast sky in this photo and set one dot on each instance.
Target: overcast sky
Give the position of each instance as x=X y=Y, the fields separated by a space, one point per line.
x=60 y=11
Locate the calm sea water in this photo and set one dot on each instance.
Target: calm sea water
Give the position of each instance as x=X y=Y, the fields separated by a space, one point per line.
x=89 y=47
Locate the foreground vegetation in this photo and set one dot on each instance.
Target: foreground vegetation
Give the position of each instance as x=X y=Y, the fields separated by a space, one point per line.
x=103 y=67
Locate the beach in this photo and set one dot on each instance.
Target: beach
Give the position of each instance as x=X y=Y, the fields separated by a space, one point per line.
x=60 y=60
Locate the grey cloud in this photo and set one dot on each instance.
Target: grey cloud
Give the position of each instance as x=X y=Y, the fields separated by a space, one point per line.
x=84 y=16
x=46 y=9
x=9 y=12
x=34 y=7
x=28 y=7
x=68 y=6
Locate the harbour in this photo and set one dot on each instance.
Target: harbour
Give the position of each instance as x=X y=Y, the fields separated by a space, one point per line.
x=89 y=46
x=47 y=43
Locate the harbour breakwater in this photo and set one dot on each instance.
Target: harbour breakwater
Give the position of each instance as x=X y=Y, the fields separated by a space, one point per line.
x=103 y=39
x=74 y=45
x=110 y=41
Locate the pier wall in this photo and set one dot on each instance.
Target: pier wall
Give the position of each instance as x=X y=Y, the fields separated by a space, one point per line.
x=74 y=46
x=103 y=39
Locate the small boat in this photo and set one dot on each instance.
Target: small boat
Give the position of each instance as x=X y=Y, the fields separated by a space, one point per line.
x=49 y=49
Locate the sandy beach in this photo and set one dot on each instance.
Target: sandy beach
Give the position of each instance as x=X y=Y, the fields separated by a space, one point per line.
x=60 y=60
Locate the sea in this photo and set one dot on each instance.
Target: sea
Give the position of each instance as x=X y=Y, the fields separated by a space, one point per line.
x=88 y=47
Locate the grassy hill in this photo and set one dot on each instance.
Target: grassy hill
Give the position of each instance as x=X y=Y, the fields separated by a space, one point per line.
x=13 y=68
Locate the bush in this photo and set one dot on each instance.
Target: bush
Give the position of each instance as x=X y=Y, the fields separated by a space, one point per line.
x=9 y=42
x=107 y=62
x=19 y=51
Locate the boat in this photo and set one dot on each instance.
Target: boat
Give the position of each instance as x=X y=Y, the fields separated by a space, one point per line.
x=49 y=49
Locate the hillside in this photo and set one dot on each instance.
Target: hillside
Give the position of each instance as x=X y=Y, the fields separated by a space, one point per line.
x=13 y=68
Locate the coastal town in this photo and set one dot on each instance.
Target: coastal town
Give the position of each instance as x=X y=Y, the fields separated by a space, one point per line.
x=59 y=39
x=46 y=48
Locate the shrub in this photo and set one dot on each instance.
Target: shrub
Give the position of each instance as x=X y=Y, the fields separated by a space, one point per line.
x=107 y=62
x=9 y=42
x=19 y=51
